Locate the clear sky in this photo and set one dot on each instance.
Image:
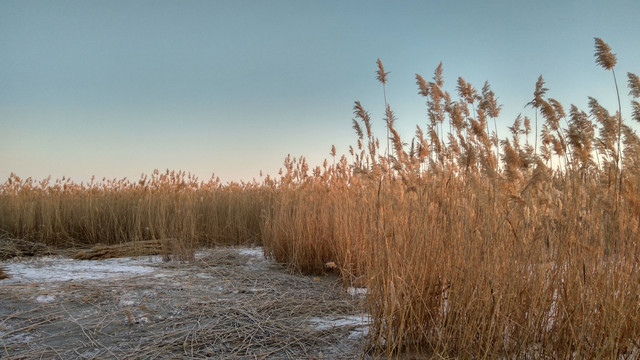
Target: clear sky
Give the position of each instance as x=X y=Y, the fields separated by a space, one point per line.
x=119 y=88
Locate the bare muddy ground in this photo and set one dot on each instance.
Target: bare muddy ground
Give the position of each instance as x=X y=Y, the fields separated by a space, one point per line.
x=229 y=303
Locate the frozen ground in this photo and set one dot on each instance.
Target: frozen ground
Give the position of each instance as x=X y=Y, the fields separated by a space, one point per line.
x=51 y=269
x=229 y=303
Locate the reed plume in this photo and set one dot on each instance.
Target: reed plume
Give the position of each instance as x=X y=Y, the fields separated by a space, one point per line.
x=607 y=59
x=536 y=103
x=604 y=56
x=381 y=76
x=634 y=90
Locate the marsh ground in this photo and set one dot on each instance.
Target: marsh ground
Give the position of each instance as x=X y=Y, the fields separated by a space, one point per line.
x=229 y=303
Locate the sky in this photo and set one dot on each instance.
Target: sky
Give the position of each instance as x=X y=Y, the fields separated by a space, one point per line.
x=120 y=88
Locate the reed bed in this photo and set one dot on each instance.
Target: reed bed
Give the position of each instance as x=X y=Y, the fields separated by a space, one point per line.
x=170 y=205
x=470 y=245
x=475 y=246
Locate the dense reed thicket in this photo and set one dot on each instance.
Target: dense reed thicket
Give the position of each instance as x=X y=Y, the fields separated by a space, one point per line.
x=473 y=246
x=171 y=205
x=470 y=245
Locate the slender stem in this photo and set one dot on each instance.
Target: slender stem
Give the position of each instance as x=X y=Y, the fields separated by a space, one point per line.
x=619 y=117
x=619 y=160
x=384 y=92
x=535 y=149
x=495 y=125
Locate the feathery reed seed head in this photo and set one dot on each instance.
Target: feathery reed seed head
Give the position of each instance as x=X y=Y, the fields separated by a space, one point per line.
x=634 y=85
x=380 y=74
x=604 y=56
x=423 y=87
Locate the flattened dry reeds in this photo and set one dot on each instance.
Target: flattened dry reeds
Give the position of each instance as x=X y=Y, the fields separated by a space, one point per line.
x=10 y=248
x=129 y=249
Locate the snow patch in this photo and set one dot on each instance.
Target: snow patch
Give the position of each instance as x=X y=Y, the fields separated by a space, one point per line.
x=56 y=269
x=358 y=324
x=127 y=302
x=17 y=338
x=45 y=299
x=52 y=269
x=255 y=252
x=357 y=291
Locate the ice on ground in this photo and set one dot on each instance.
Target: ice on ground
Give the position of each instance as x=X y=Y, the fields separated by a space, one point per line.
x=357 y=291
x=253 y=252
x=49 y=269
x=358 y=324
x=57 y=269
x=257 y=260
x=127 y=302
x=147 y=292
x=324 y=323
x=45 y=299
x=19 y=338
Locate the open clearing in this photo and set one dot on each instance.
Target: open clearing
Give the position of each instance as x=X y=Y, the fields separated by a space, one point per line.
x=229 y=303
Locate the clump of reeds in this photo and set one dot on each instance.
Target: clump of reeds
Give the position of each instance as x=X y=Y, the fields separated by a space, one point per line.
x=476 y=246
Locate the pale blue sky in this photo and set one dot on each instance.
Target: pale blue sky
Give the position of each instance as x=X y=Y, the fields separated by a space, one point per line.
x=118 y=88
